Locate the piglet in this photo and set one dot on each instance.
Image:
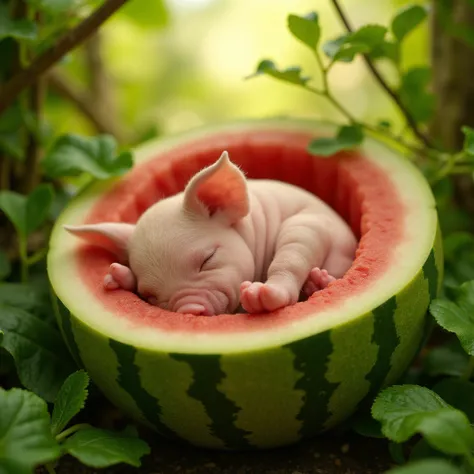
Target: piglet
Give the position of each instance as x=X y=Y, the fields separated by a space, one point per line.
x=227 y=240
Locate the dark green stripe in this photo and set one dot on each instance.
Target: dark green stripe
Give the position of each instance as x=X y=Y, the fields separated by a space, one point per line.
x=430 y=270
x=386 y=338
x=311 y=359
x=66 y=330
x=208 y=375
x=129 y=380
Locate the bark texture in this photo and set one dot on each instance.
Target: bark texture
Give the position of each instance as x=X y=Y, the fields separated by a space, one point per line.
x=453 y=83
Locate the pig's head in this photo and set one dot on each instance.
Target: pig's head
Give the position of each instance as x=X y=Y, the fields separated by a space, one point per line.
x=184 y=254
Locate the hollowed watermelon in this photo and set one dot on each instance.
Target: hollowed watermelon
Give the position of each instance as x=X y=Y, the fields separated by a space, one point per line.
x=243 y=381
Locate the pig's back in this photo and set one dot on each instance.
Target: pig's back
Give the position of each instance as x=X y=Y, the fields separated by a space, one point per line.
x=272 y=202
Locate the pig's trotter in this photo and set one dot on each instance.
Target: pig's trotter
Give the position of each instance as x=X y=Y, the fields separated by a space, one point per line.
x=120 y=276
x=260 y=297
x=318 y=279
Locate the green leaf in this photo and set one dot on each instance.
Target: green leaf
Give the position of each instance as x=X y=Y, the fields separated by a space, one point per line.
x=386 y=49
x=70 y=400
x=37 y=206
x=427 y=466
x=422 y=450
x=145 y=14
x=11 y=122
x=458 y=316
x=41 y=357
x=27 y=213
x=407 y=19
x=347 y=137
x=5 y=266
x=367 y=39
x=72 y=155
x=25 y=436
x=25 y=296
x=19 y=29
x=306 y=29
x=415 y=95
x=468 y=147
x=54 y=7
x=14 y=207
x=102 y=448
x=405 y=410
x=291 y=75
x=445 y=360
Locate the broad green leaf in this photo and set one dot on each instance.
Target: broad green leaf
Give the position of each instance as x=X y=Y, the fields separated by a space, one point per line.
x=70 y=400
x=458 y=316
x=146 y=14
x=291 y=75
x=54 y=7
x=407 y=19
x=367 y=39
x=427 y=466
x=415 y=95
x=25 y=435
x=37 y=206
x=347 y=137
x=423 y=450
x=22 y=29
x=40 y=354
x=468 y=140
x=27 y=213
x=306 y=29
x=459 y=256
x=11 y=122
x=5 y=267
x=14 y=207
x=458 y=393
x=406 y=410
x=365 y=425
x=26 y=296
x=386 y=49
x=72 y=155
x=102 y=448
x=396 y=452
x=445 y=360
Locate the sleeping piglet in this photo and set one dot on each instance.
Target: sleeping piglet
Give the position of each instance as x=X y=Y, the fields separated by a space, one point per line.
x=227 y=240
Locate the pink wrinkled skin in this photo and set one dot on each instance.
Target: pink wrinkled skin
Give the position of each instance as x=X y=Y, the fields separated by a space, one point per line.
x=226 y=241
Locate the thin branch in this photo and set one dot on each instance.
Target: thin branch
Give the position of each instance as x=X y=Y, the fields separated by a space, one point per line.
x=81 y=100
x=395 y=97
x=69 y=41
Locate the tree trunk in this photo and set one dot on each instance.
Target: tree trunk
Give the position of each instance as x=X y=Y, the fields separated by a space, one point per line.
x=453 y=83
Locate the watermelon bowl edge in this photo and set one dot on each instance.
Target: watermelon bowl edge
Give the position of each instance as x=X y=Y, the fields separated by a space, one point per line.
x=241 y=381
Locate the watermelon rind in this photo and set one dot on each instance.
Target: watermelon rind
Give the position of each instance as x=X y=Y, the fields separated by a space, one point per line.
x=264 y=388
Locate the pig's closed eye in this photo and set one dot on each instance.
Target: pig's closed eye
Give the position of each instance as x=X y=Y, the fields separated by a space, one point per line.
x=207 y=260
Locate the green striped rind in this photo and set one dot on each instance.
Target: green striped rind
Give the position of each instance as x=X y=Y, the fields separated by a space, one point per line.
x=268 y=398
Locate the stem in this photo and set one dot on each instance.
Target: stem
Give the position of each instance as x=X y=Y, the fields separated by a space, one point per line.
x=23 y=250
x=406 y=113
x=36 y=257
x=68 y=42
x=71 y=430
x=469 y=370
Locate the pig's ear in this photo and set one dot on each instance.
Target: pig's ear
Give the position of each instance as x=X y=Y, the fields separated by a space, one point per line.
x=113 y=236
x=219 y=189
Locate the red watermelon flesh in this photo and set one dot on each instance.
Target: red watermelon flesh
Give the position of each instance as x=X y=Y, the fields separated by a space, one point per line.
x=358 y=189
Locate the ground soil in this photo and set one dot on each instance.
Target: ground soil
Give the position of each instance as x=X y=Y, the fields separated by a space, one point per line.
x=328 y=454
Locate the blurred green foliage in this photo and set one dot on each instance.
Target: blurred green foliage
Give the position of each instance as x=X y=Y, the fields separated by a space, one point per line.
x=176 y=64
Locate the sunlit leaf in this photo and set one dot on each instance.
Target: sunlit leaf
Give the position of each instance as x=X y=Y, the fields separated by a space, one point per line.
x=146 y=14
x=468 y=146
x=407 y=19
x=306 y=29
x=291 y=75
x=54 y=7
x=347 y=138
x=427 y=466
x=72 y=155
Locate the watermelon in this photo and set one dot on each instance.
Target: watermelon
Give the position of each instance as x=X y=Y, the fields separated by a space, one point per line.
x=239 y=381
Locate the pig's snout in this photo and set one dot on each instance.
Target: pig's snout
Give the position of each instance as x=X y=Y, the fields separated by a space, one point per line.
x=192 y=308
